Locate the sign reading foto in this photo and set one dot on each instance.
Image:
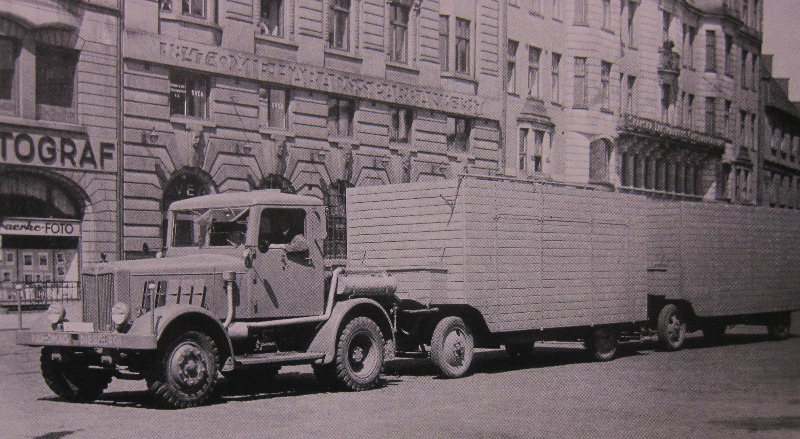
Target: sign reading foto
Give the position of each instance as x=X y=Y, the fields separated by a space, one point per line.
x=40 y=227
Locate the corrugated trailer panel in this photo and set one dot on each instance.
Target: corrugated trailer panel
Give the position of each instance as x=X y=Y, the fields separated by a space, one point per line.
x=725 y=260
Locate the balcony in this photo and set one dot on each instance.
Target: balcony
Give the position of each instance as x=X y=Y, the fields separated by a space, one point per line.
x=669 y=66
x=635 y=125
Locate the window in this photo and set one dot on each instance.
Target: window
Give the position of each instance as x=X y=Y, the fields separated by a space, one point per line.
x=511 y=73
x=744 y=69
x=271 y=18
x=339 y=25
x=742 y=123
x=523 y=149
x=554 y=73
x=579 y=98
x=188 y=94
x=690 y=54
x=666 y=21
x=280 y=226
x=690 y=111
x=666 y=91
x=753 y=71
x=726 y=123
x=458 y=133
x=753 y=133
x=444 y=42
x=534 y=55
x=8 y=75
x=728 y=55
x=631 y=14
x=538 y=147
x=273 y=108
x=580 y=12
x=711 y=115
x=557 y=10
x=194 y=8
x=599 y=159
x=462 y=45
x=630 y=102
x=607 y=14
x=400 y=124
x=605 y=84
x=340 y=117
x=711 y=51
x=398 y=32
x=55 y=83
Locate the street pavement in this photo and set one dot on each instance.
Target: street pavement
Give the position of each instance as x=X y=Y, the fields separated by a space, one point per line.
x=744 y=387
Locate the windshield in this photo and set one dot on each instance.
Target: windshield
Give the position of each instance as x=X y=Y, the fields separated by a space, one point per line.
x=226 y=227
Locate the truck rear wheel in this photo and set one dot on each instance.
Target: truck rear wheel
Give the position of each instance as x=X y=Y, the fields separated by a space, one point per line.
x=186 y=375
x=671 y=328
x=73 y=382
x=601 y=343
x=780 y=326
x=359 y=356
x=452 y=347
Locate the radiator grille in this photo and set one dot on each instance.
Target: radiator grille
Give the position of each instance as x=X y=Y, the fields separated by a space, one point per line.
x=98 y=294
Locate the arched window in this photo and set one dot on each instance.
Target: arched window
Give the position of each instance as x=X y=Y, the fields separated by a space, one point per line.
x=186 y=184
x=33 y=196
x=336 y=212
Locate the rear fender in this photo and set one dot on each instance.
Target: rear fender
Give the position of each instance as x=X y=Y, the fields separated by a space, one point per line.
x=171 y=317
x=325 y=340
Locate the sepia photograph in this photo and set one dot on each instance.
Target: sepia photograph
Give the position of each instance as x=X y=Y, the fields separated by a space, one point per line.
x=492 y=219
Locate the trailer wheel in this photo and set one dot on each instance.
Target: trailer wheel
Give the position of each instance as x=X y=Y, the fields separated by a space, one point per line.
x=520 y=351
x=671 y=328
x=779 y=328
x=601 y=343
x=359 y=355
x=73 y=382
x=452 y=347
x=186 y=374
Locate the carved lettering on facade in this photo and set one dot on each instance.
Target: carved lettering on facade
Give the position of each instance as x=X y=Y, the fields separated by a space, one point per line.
x=314 y=78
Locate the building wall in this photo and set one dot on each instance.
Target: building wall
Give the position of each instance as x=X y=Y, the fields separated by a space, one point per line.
x=65 y=145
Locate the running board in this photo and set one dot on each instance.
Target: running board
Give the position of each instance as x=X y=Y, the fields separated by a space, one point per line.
x=278 y=358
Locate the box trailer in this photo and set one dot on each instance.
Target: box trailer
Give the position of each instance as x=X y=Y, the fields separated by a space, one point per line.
x=486 y=261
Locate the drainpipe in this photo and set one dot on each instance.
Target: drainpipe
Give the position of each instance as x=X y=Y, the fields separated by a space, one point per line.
x=503 y=147
x=120 y=136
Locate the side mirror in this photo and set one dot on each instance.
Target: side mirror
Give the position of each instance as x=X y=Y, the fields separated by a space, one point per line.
x=299 y=244
x=263 y=245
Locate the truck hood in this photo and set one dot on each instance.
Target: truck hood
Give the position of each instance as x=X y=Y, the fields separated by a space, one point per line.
x=201 y=264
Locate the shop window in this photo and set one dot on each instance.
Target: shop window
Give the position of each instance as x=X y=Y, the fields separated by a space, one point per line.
x=340 y=117
x=458 y=133
x=270 y=18
x=534 y=56
x=400 y=124
x=273 y=108
x=398 y=31
x=55 y=83
x=339 y=25
x=335 y=244
x=188 y=94
x=462 y=45
x=9 y=53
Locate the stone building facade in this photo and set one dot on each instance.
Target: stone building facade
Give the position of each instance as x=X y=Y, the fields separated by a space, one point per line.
x=59 y=140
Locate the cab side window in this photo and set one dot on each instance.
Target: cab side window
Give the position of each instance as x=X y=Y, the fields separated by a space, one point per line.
x=279 y=226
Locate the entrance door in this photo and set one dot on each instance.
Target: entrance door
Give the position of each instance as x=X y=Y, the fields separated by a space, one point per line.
x=288 y=267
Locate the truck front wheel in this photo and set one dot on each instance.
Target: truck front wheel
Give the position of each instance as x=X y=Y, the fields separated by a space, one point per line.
x=359 y=356
x=186 y=375
x=73 y=382
x=671 y=328
x=452 y=347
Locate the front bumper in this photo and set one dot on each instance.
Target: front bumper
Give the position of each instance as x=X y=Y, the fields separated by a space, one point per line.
x=87 y=340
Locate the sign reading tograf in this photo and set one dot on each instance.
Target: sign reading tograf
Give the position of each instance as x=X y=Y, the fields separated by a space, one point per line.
x=40 y=227
x=63 y=152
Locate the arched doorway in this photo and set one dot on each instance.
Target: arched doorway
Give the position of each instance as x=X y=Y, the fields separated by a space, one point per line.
x=40 y=230
x=186 y=183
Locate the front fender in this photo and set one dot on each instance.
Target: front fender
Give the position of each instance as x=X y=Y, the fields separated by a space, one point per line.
x=169 y=316
x=326 y=338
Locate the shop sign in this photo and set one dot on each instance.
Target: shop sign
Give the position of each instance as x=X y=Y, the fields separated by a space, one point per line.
x=56 y=152
x=40 y=227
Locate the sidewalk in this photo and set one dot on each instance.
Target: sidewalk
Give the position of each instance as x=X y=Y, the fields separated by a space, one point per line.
x=10 y=321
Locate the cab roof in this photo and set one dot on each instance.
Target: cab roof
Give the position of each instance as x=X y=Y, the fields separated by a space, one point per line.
x=270 y=197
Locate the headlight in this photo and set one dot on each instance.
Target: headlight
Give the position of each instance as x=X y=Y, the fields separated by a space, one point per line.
x=120 y=313
x=56 y=313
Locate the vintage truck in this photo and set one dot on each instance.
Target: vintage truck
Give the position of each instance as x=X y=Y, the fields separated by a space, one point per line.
x=438 y=268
